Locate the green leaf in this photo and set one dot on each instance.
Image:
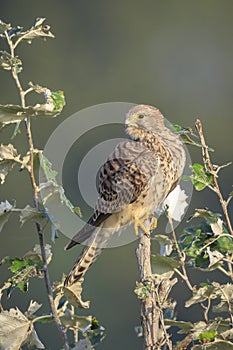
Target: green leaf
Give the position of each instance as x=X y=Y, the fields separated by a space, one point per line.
x=4 y=27
x=17 y=264
x=96 y=333
x=208 y=335
x=58 y=98
x=207 y=215
x=202 y=294
x=186 y=135
x=163 y=264
x=29 y=266
x=45 y=164
x=142 y=290
x=200 y=177
x=22 y=271
x=54 y=100
x=225 y=243
x=185 y=327
x=5 y=211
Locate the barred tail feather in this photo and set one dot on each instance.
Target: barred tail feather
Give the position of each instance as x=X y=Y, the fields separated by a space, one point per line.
x=88 y=256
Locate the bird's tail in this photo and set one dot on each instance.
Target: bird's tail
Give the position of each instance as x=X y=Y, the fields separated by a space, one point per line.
x=97 y=243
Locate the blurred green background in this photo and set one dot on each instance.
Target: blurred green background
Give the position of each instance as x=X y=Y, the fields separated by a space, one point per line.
x=174 y=54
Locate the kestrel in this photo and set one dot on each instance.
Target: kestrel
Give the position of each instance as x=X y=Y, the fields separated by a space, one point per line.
x=136 y=178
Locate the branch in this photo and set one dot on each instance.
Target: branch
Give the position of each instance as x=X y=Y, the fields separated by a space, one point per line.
x=149 y=308
x=22 y=93
x=155 y=299
x=209 y=167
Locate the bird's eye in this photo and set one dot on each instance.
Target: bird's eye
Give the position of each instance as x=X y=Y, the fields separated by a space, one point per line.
x=141 y=116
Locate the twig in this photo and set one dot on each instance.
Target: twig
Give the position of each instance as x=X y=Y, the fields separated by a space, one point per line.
x=149 y=308
x=56 y=318
x=182 y=274
x=207 y=309
x=22 y=93
x=209 y=167
x=41 y=318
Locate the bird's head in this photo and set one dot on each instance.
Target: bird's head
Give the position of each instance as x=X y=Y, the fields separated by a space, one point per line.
x=143 y=118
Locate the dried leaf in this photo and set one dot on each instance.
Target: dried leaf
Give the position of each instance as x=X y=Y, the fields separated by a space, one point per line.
x=29 y=214
x=15 y=114
x=33 y=341
x=33 y=308
x=83 y=344
x=8 y=158
x=217 y=227
x=5 y=211
x=73 y=295
x=53 y=193
x=36 y=31
x=14 y=329
x=12 y=114
x=48 y=252
x=216 y=345
x=4 y=27
x=7 y=62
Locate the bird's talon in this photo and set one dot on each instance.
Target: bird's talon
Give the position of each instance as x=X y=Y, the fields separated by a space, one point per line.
x=139 y=223
x=153 y=224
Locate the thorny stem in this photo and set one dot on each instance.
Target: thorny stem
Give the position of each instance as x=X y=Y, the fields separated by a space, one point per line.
x=209 y=167
x=22 y=93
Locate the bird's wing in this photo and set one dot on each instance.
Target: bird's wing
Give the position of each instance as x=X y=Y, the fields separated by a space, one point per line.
x=122 y=179
x=124 y=176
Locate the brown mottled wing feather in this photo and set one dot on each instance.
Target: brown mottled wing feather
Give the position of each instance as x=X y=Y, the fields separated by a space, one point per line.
x=122 y=178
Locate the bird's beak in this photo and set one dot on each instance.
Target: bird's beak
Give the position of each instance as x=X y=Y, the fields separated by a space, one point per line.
x=131 y=120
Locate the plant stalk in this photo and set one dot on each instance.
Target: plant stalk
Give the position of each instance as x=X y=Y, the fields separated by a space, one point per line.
x=22 y=94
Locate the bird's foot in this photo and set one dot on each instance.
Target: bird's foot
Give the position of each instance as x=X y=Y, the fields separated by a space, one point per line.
x=139 y=223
